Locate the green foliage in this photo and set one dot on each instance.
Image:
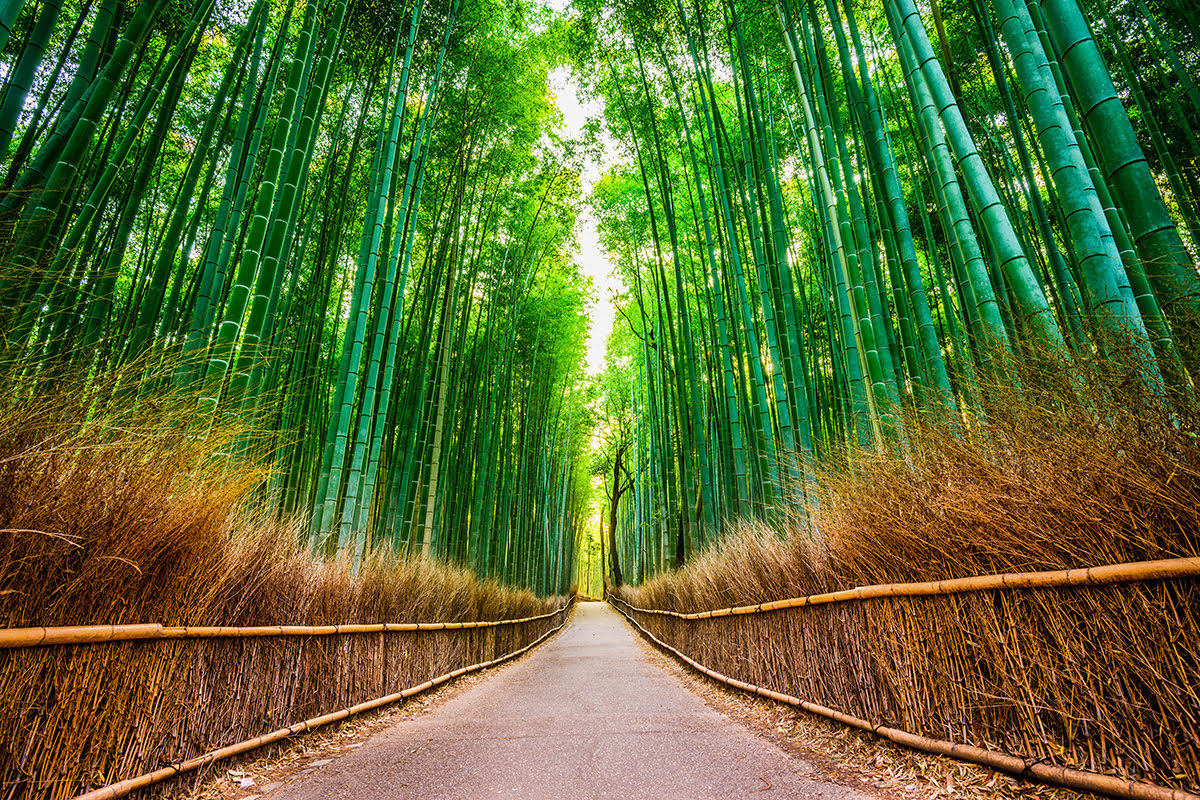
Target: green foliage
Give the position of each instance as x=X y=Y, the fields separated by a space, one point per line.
x=445 y=353
x=357 y=220
x=856 y=215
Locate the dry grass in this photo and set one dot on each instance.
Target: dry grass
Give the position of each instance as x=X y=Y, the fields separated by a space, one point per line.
x=1096 y=678
x=117 y=510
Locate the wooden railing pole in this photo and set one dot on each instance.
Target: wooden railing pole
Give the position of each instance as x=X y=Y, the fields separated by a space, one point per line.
x=100 y=634
x=1164 y=569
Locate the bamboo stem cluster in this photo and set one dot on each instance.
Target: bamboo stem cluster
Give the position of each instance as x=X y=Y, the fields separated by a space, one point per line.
x=345 y=223
x=862 y=215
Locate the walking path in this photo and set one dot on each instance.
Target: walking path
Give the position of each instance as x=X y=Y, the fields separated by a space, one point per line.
x=585 y=717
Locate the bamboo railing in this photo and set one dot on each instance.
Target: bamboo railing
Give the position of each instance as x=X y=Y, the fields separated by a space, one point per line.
x=100 y=634
x=1163 y=569
x=1026 y=768
x=1073 y=669
x=88 y=706
x=130 y=785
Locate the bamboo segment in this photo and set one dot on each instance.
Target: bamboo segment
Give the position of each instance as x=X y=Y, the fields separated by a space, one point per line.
x=1164 y=569
x=1004 y=762
x=125 y=787
x=98 y=634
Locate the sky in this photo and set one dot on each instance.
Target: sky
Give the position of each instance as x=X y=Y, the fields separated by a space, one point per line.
x=591 y=258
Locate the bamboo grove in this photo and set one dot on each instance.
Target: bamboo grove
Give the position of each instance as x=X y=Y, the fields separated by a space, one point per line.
x=350 y=222
x=835 y=216
x=353 y=223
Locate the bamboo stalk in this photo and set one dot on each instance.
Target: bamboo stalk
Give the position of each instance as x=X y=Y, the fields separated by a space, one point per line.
x=1164 y=569
x=129 y=785
x=1025 y=768
x=98 y=634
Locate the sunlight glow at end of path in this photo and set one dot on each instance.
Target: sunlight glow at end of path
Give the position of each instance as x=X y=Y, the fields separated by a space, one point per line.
x=591 y=258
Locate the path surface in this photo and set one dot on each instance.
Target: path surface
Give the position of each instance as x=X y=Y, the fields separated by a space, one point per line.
x=585 y=717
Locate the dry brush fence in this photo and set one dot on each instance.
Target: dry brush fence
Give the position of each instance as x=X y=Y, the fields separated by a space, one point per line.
x=1095 y=670
x=82 y=707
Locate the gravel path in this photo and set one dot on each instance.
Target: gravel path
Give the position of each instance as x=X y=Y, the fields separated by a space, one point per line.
x=585 y=717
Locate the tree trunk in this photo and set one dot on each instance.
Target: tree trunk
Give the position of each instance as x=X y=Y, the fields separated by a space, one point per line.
x=617 y=491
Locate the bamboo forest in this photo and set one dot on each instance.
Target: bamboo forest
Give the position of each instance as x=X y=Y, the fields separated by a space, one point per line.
x=326 y=312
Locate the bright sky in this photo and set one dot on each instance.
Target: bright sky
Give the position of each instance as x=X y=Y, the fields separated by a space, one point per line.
x=592 y=259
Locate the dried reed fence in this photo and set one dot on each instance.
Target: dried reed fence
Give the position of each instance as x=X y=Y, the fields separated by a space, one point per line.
x=77 y=716
x=1083 y=670
x=129 y=785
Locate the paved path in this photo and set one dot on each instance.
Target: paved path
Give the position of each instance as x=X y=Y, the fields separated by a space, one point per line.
x=585 y=717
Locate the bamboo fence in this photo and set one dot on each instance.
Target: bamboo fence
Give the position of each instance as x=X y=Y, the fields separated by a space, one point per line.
x=85 y=707
x=130 y=785
x=1049 y=674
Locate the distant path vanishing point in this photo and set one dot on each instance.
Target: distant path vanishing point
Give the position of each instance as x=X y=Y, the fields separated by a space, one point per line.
x=585 y=717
